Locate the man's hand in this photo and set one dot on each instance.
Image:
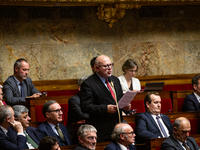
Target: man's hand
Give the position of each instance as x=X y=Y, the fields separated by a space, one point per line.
x=17 y=126
x=34 y=95
x=127 y=108
x=112 y=108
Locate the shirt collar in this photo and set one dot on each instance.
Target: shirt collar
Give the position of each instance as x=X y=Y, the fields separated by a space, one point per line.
x=52 y=125
x=4 y=130
x=122 y=146
x=18 y=82
x=102 y=79
x=197 y=96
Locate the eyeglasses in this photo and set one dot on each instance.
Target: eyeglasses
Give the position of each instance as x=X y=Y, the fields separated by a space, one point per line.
x=57 y=110
x=129 y=133
x=91 y=138
x=132 y=71
x=107 y=66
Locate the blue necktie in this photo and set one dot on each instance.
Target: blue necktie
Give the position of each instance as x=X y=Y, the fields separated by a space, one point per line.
x=22 y=89
x=161 y=126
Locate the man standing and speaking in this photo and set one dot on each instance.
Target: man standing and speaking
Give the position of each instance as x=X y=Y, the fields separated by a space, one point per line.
x=99 y=96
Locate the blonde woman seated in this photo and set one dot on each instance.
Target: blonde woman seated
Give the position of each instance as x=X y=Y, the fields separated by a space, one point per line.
x=127 y=80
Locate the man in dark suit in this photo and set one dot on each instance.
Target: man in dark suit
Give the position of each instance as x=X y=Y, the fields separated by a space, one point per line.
x=87 y=136
x=123 y=137
x=7 y=139
x=192 y=101
x=53 y=127
x=18 y=86
x=99 y=99
x=21 y=115
x=75 y=113
x=152 y=124
x=180 y=139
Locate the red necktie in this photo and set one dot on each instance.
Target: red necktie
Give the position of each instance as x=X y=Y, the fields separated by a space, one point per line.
x=110 y=88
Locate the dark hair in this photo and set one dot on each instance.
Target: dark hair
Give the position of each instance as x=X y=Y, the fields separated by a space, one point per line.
x=129 y=64
x=47 y=143
x=46 y=107
x=5 y=111
x=195 y=80
x=18 y=62
x=92 y=62
x=148 y=98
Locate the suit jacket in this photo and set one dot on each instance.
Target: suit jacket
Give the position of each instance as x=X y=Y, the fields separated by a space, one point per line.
x=33 y=133
x=74 y=115
x=79 y=147
x=191 y=103
x=11 y=91
x=172 y=144
x=12 y=142
x=115 y=146
x=45 y=129
x=147 y=128
x=135 y=83
x=94 y=100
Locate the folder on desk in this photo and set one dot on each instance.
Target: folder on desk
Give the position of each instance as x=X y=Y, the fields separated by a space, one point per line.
x=154 y=86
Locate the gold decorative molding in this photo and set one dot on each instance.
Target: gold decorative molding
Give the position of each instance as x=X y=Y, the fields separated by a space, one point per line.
x=112 y=13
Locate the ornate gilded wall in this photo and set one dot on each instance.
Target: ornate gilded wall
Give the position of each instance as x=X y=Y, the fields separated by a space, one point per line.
x=63 y=48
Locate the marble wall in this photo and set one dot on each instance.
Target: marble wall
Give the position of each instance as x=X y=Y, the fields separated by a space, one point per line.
x=63 y=48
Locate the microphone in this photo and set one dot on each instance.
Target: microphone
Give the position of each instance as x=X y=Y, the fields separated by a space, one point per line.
x=169 y=110
x=111 y=82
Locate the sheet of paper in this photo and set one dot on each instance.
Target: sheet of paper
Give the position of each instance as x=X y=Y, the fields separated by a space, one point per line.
x=126 y=99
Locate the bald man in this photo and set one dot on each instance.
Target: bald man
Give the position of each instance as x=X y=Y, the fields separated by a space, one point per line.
x=99 y=94
x=180 y=139
x=123 y=137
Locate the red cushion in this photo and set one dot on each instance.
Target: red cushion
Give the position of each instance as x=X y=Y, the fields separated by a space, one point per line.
x=40 y=117
x=194 y=126
x=132 y=125
x=61 y=93
x=166 y=105
x=180 y=104
x=158 y=148
x=176 y=87
x=139 y=105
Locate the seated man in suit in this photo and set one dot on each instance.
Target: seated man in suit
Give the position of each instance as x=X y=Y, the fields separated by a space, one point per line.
x=21 y=115
x=18 y=86
x=87 y=136
x=49 y=143
x=53 y=127
x=192 y=101
x=75 y=113
x=152 y=124
x=123 y=138
x=180 y=139
x=7 y=139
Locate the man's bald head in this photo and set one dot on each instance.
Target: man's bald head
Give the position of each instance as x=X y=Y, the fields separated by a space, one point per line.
x=103 y=66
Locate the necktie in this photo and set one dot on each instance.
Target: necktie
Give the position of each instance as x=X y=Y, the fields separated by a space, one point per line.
x=186 y=147
x=59 y=132
x=110 y=88
x=161 y=126
x=22 y=89
x=29 y=140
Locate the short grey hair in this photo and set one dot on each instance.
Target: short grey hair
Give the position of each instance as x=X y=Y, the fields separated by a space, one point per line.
x=117 y=131
x=178 y=121
x=5 y=111
x=18 y=110
x=80 y=81
x=84 y=128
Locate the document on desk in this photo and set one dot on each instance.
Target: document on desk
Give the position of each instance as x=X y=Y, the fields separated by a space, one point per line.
x=126 y=99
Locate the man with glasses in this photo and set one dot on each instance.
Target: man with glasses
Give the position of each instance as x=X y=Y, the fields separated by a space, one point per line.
x=99 y=96
x=87 y=136
x=123 y=138
x=52 y=126
x=180 y=139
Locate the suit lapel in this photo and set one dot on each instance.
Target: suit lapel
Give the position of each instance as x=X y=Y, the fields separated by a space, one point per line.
x=15 y=88
x=25 y=88
x=152 y=120
x=196 y=100
x=103 y=87
x=176 y=143
x=49 y=129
